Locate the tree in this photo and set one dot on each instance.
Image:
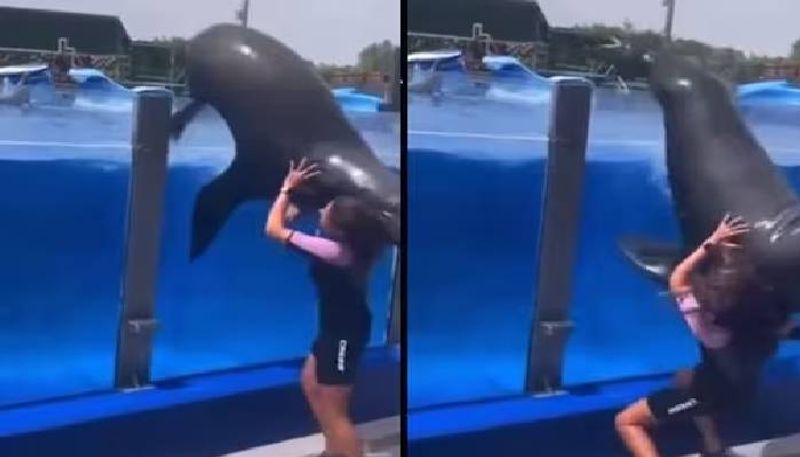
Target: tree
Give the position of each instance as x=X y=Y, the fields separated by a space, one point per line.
x=627 y=26
x=378 y=57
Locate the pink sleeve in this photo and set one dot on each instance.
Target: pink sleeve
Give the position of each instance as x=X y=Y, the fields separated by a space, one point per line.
x=702 y=327
x=323 y=248
x=688 y=306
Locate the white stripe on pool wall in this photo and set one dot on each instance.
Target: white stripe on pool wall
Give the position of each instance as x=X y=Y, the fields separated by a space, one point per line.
x=536 y=138
x=485 y=136
x=114 y=145
x=543 y=138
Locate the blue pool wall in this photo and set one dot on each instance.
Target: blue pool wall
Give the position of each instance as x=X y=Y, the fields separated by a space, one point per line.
x=475 y=190
x=64 y=174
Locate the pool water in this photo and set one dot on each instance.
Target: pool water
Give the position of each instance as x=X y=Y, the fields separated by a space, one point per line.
x=476 y=170
x=64 y=181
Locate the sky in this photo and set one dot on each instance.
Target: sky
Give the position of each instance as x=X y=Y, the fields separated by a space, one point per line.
x=334 y=31
x=324 y=31
x=767 y=27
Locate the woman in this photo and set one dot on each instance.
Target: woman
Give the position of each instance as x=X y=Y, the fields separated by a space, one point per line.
x=737 y=322
x=340 y=265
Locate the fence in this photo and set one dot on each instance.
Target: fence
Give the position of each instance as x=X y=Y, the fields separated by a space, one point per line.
x=533 y=54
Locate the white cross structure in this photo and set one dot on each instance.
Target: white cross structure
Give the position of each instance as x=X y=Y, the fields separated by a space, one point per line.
x=64 y=47
x=479 y=35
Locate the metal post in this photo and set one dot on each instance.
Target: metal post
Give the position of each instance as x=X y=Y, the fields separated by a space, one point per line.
x=566 y=160
x=391 y=98
x=142 y=247
x=396 y=303
x=171 y=64
x=670 y=4
x=243 y=14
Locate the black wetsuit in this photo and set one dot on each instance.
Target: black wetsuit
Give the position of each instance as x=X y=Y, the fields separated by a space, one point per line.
x=344 y=321
x=726 y=380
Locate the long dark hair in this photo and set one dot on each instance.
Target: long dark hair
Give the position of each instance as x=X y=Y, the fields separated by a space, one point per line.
x=720 y=279
x=359 y=228
x=727 y=284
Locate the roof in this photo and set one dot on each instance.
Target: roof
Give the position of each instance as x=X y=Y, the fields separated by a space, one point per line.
x=579 y=36
x=504 y=20
x=28 y=28
x=13 y=70
x=433 y=55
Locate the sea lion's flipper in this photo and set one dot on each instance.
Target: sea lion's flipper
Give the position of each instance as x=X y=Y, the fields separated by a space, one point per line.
x=655 y=258
x=181 y=118
x=214 y=204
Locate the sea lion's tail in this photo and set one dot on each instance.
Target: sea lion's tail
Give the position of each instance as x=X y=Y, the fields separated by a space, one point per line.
x=183 y=117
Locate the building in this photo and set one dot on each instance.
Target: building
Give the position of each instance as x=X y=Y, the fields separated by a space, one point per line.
x=30 y=35
x=516 y=27
x=785 y=69
x=160 y=63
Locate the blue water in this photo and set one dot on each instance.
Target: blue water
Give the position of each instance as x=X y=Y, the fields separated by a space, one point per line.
x=475 y=189
x=353 y=100
x=772 y=93
x=63 y=194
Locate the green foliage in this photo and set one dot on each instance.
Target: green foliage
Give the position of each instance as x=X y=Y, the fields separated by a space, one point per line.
x=378 y=57
x=153 y=60
x=628 y=61
x=795 y=52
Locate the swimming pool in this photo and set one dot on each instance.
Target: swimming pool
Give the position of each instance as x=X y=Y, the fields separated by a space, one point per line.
x=475 y=189
x=64 y=177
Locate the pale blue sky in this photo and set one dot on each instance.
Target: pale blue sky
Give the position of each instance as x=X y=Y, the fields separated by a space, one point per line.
x=343 y=27
x=331 y=31
x=765 y=27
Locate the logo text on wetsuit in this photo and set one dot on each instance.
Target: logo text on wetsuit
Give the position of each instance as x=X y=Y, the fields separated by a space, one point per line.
x=682 y=406
x=342 y=352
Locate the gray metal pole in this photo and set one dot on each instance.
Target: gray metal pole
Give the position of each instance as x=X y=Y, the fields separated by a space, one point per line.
x=670 y=4
x=566 y=160
x=142 y=247
x=391 y=96
x=396 y=305
x=172 y=64
x=244 y=13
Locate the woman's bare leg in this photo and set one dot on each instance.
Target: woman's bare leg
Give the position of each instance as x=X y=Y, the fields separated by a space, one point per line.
x=632 y=424
x=311 y=389
x=344 y=440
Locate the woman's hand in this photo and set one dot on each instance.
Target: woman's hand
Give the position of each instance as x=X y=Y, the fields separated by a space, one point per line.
x=298 y=175
x=727 y=230
x=282 y=211
x=291 y=213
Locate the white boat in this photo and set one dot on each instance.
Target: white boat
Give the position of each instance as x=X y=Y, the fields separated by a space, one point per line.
x=35 y=84
x=94 y=79
x=428 y=70
x=431 y=59
x=18 y=70
x=450 y=60
x=425 y=70
x=14 y=83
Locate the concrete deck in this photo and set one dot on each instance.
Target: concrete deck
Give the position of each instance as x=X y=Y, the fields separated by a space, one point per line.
x=381 y=439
